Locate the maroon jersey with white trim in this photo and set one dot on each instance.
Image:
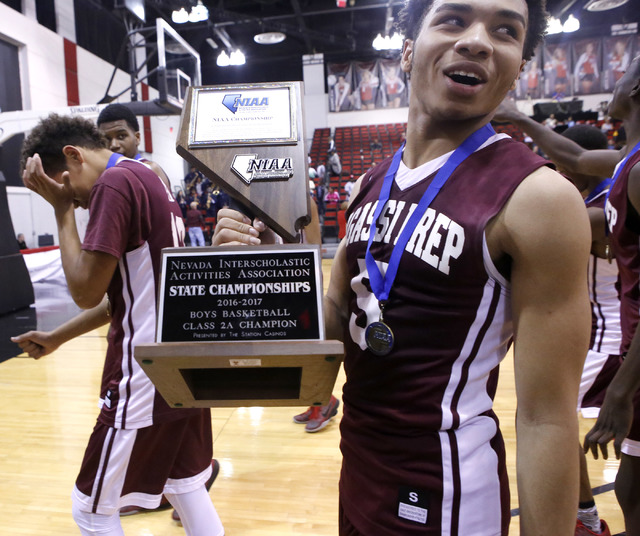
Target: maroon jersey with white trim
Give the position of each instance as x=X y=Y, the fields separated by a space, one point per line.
x=606 y=332
x=421 y=447
x=624 y=226
x=132 y=217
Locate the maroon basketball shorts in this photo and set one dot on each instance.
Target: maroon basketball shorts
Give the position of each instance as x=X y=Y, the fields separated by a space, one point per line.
x=135 y=467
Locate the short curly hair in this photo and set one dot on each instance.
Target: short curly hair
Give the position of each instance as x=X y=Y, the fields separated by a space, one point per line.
x=50 y=136
x=116 y=112
x=413 y=13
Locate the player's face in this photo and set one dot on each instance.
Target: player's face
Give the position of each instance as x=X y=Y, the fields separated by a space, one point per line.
x=620 y=101
x=82 y=177
x=466 y=56
x=121 y=137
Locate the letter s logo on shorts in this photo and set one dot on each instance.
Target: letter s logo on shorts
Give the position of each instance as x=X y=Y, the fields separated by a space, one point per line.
x=413 y=504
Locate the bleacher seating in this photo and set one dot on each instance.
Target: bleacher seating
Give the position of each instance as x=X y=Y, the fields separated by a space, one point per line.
x=354 y=145
x=357 y=155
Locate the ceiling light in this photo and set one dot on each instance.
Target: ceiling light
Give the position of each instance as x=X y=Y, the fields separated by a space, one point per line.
x=235 y=58
x=223 y=60
x=571 y=25
x=604 y=5
x=180 y=17
x=212 y=43
x=269 y=38
x=397 y=40
x=378 y=42
x=199 y=13
x=554 y=26
x=388 y=43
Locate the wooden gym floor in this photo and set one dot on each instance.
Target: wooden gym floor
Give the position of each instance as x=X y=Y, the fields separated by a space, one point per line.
x=274 y=480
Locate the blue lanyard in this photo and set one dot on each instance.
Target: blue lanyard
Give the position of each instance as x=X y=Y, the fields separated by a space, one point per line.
x=606 y=183
x=615 y=178
x=113 y=160
x=381 y=285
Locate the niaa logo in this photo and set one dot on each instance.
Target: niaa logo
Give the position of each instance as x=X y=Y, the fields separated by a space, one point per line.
x=233 y=101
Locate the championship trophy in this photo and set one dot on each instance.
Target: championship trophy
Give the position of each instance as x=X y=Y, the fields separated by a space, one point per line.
x=243 y=325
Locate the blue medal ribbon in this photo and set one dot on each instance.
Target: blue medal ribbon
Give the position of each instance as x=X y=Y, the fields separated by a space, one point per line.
x=615 y=178
x=381 y=285
x=113 y=160
x=606 y=183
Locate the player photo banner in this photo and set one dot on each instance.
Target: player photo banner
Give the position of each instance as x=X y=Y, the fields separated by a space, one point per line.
x=394 y=89
x=340 y=84
x=586 y=71
x=557 y=71
x=366 y=85
x=617 y=57
x=530 y=82
x=367 y=81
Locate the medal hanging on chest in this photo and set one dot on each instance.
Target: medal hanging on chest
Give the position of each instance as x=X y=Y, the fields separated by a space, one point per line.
x=379 y=336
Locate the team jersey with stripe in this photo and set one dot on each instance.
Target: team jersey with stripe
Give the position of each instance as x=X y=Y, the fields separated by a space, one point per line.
x=606 y=332
x=422 y=451
x=624 y=227
x=603 y=358
x=132 y=216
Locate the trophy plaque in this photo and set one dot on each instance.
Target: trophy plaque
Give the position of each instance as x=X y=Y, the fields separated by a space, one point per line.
x=243 y=325
x=248 y=139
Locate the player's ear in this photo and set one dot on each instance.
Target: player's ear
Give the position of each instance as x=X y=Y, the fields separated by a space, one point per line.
x=406 y=60
x=73 y=153
x=513 y=85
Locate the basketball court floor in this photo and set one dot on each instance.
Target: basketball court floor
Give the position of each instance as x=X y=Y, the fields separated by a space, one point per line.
x=275 y=479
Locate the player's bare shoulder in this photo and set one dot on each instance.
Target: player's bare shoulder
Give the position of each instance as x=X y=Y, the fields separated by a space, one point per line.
x=545 y=214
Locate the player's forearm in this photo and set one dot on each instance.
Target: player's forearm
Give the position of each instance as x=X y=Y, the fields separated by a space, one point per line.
x=626 y=382
x=70 y=253
x=335 y=319
x=83 y=323
x=548 y=477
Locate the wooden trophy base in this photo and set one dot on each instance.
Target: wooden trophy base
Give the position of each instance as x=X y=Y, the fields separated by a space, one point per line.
x=236 y=374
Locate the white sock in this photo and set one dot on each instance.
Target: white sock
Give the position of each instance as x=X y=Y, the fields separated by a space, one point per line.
x=97 y=524
x=197 y=513
x=590 y=518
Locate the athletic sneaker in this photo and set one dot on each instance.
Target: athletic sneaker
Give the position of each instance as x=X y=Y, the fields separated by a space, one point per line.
x=164 y=502
x=303 y=418
x=582 y=530
x=320 y=416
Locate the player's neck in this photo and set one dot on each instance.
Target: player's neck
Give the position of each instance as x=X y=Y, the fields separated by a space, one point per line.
x=632 y=128
x=100 y=158
x=429 y=139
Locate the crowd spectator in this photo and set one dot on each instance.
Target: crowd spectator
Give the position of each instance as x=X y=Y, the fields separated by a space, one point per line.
x=194 y=225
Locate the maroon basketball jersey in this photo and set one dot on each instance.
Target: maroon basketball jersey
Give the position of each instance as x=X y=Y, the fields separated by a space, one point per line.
x=421 y=446
x=132 y=217
x=624 y=226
